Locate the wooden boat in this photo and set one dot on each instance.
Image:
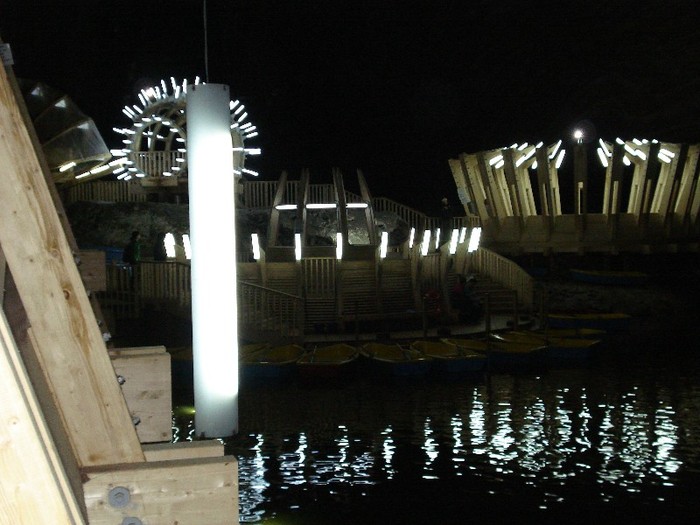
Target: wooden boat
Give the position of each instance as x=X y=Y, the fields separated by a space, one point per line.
x=396 y=359
x=610 y=322
x=327 y=361
x=558 y=348
x=272 y=361
x=450 y=358
x=505 y=353
x=609 y=277
x=250 y=348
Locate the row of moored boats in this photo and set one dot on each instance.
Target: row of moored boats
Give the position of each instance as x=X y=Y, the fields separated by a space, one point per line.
x=419 y=357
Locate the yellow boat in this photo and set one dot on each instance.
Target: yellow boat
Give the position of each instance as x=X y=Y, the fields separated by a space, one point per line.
x=557 y=347
x=396 y=359
x=448 y=357
x=272 y=361
x=502 y=352
x=324 y=361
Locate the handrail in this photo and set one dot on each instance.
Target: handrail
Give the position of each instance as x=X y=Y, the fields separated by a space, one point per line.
x=505 y=272
x=260 y=309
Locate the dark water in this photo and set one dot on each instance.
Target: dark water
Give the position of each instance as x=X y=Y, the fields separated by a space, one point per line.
x=616 y=439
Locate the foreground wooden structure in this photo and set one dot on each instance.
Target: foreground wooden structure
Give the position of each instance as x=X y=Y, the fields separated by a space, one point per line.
x=70 y=451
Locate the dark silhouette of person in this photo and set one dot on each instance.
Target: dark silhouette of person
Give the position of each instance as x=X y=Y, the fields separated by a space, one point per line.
x=159 y=252
x=445 y=221
x=463 y=299
x=132 y=255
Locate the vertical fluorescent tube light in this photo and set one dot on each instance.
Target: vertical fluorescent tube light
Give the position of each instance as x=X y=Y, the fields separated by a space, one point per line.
x=339 y=246
x=425 y=245
x=474 y=240
x=383 y=245
x=256 y=245
x=453 y=241
x=411 y=238
x=297 y=246
x=462 y=234
x=212 y=196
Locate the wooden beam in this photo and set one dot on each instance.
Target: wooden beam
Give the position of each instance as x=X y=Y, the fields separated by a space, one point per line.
x=273 y=227
x=48 y=177
x=72 y=352
x=34 y=488
x=186 y=492
x=369 y=210
x=342 y=210
x=206 y=448
x=93 y=270
x=146 y=385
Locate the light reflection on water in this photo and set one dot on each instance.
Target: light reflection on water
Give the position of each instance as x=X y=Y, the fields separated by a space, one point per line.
x=566 y=434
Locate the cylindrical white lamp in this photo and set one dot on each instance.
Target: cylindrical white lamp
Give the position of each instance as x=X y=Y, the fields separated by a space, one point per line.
x=213 y=240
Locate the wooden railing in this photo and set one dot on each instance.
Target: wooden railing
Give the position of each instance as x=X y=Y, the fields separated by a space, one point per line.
x=505 y=272
x=260 y=309
x=155 y=163
x=107 y=191
x=265 y=314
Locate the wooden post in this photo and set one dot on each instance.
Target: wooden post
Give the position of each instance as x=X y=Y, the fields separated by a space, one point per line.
x=34 y=486
x=68 y=341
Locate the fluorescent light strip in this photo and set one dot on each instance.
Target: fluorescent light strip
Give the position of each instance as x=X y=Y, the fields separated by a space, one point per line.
x=383 y=245
x=425 y=245
x=256 y=245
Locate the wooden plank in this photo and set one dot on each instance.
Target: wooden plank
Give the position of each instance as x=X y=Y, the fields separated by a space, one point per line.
x=37 y=491
x=131 y=351
x=48 y=177
x=148 y=391
x=186 y=492
x=93 y=270
x=207 y=448
x=72 y=352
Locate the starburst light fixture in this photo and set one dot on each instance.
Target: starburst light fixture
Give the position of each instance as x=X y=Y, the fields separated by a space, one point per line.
x=155 y=144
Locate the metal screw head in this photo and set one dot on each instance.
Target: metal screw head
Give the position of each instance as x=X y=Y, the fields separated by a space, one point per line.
x=131 y=520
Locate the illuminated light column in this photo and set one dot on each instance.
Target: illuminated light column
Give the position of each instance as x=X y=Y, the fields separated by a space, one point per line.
x=213 y=240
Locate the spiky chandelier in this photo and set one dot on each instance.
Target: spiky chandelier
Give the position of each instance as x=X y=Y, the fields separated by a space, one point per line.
x=156 y=143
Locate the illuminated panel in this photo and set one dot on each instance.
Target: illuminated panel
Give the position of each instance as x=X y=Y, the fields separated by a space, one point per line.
x=453 y=241
x=425 y=245
x=256 y=245
x=169 y=243
x=383 y=245
x=339 y=246
x=213 y=238
x=474 y=239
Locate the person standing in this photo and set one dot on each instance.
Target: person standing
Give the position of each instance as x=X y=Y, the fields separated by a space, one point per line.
x=132 y=255
x=445 y=221
x=159 y=252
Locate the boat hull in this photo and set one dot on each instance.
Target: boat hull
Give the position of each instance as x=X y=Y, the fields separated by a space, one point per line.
x=271 y=362
x=504 y=353
x=328 y=362
x=557 y=348
x=395 y=360
x=450 y=359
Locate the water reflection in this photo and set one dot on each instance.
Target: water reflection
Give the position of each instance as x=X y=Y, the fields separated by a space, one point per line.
x=567 y=434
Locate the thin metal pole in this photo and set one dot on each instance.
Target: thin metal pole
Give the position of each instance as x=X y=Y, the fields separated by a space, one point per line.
x=206 y=44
